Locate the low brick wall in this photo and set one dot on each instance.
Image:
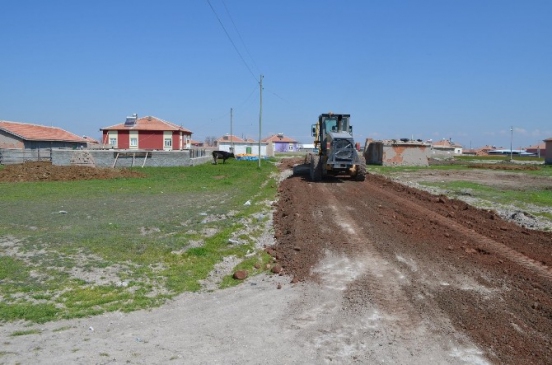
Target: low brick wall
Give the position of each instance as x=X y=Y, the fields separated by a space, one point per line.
x=115 y=158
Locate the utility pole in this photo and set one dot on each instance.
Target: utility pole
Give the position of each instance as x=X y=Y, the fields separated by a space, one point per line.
x=260 y=115
x=511 y=141
x=231 y=135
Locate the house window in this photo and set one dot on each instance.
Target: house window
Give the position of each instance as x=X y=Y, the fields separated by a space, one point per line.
x=113 y=141
x=134 y=142
x=290 y=147
x=168 y=142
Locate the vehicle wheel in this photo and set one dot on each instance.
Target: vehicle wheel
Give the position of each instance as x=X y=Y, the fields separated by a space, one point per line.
x=361 y=170
x=315 y=168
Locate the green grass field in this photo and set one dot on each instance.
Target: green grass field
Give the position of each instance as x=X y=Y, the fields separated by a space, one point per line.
x=535 y=200
x=73 y=249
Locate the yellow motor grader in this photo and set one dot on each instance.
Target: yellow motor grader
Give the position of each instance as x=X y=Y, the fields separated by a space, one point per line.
x=335 y=152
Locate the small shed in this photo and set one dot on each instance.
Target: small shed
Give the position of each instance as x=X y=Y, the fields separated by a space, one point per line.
x=396 y=152
x=548 y=154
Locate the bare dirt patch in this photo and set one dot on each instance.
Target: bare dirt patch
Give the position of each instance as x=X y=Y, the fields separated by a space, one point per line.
x=435 y=265
x=498 y=178
x=45 y=171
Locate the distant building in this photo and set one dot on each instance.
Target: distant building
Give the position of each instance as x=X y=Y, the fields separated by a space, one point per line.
x=147 y=133
x=548 y=155
x=228 y=138
x=240 y=146
x=91 y=142
x=195 y=143
x=33 y=136
x=537 y=149
x=446 y=147
x=281 y=143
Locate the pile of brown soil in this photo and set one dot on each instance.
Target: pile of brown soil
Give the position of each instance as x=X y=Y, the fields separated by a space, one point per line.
x=45 y=171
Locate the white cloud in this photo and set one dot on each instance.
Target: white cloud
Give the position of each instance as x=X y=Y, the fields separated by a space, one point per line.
x=520 y=131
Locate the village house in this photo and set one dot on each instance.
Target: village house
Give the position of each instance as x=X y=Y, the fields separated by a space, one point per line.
x=281 y=143
x=538 y=149
x=146 y=133
x=16 y=135
x=446 y=147
x=240 y=146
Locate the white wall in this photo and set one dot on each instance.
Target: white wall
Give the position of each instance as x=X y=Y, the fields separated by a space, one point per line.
x=241 y=148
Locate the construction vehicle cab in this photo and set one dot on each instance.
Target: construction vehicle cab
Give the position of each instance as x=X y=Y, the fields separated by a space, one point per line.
x=335 y=151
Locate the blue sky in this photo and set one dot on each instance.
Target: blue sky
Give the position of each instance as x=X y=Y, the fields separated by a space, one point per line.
x=466 y=70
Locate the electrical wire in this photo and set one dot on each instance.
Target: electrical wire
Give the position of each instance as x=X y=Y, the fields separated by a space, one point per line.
x=231 y=41
x=239 y=35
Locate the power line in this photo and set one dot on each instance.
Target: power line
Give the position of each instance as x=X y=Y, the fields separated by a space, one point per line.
x=239 y=35
x=278 y=96
x=246 y=99
x=231 y=41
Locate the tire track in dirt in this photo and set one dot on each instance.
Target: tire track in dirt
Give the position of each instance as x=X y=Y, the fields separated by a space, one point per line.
x=456 y=290
x=484 y=242
x=363 y=312
x=379 y=277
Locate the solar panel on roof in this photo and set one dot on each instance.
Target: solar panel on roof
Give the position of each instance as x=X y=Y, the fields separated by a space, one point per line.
x=131 y=121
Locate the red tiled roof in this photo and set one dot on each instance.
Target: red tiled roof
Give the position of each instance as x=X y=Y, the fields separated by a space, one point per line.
x=148 y=123
x=276 y=138
x=548 y=139
x=226 y=138
x=35 y=132
x=537 y=146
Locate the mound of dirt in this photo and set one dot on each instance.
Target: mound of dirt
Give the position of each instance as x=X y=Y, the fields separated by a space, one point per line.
x=45 y=171
x=506 y=167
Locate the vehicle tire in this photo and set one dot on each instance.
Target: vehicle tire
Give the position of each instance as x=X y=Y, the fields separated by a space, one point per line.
x=315 y=168
x=361 y=170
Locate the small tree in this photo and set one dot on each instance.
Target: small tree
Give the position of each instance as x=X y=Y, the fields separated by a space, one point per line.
x=210 y=141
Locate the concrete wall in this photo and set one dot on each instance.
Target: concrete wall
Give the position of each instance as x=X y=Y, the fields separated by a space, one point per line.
x=9 y=156
x=396 y=154
x=108 y=158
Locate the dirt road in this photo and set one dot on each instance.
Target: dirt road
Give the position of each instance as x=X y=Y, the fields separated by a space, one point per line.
x=419 y=275
x=377 y=273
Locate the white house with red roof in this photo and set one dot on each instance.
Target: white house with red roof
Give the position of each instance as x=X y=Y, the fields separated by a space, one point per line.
x=281 y=143
x=240 y=146
x=147 y=133
x=228 y=138
x=18 y=135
